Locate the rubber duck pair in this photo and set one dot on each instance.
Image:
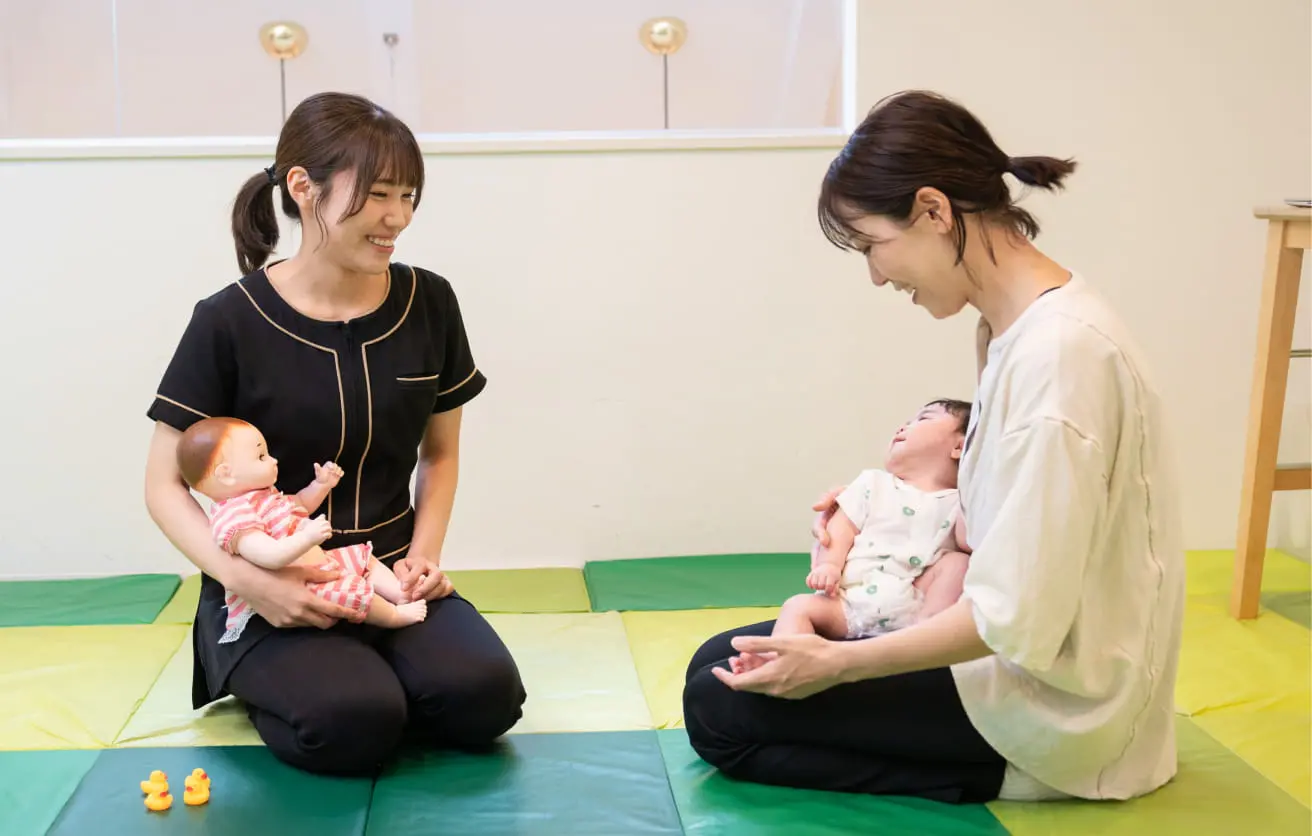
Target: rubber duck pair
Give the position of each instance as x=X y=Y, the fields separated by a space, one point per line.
x=156 y=788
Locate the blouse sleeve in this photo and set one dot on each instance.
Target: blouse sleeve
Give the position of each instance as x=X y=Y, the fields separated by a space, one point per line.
x=856 y=499
x=198 y=382
x=461 y=378
x=1026 y=573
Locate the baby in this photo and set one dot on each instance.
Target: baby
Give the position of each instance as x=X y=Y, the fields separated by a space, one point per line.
x=891 y=525
x=226 y=460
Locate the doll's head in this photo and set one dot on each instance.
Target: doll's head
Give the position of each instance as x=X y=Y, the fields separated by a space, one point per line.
x=225 y=457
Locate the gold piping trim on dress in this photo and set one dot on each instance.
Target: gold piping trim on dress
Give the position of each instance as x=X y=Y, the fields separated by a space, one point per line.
x=341 y=391
x=368 y=391
x=461 y=383
x=158 y=396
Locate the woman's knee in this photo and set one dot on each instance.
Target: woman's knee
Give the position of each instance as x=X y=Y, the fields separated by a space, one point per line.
x=352 y=732
x=708 y=708
x=474 y=705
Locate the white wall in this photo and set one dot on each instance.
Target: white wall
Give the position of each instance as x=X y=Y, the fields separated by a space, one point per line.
x=196 y=68
x=1183 y=116
x=669 y=339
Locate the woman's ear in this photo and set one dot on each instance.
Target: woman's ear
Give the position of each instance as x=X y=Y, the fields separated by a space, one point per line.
x=935 y=208
x=300 y=186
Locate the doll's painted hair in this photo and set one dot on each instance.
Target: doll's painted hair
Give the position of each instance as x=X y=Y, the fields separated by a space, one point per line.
x=200 y=445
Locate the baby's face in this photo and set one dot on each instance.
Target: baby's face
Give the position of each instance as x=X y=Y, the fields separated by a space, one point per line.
x=249 y=465
x=933 y=434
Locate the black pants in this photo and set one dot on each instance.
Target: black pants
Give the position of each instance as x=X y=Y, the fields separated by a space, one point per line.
x=339 y=701
x=900 y=735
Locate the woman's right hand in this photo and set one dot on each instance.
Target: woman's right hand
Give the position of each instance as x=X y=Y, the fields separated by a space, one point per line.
x=826 y=505
x=281 y=596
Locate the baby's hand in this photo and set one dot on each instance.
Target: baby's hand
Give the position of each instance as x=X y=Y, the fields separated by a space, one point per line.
x=316 y=531
x=328 y=474
x=824 y=578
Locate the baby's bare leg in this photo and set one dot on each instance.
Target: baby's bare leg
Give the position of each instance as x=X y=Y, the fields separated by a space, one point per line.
x=812 y=614
x=800 y=614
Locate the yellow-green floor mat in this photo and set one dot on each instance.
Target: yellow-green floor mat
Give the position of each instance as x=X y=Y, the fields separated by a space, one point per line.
x=76 y=687
x=1213 y=794
x=577 y=672
x=522 y=590
x=663 y=642
x=165 y=717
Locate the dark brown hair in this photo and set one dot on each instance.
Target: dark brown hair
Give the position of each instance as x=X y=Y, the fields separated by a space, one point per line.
x=199 y=447
x=325 y=133
x=958 y=409
x=915 y=139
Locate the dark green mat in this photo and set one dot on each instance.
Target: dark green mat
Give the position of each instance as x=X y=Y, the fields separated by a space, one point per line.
x=696 y=582
x=123 y=599
x=251 y=793
x=604 y=783
x=1295 y=605
x=35 y=785
x=711 y=804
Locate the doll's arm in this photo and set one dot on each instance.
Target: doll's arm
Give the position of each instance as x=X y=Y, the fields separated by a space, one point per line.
x=326 y=477
x=263 y=550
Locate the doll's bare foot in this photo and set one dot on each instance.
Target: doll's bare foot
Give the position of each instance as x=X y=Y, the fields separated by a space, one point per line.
x=412 y=613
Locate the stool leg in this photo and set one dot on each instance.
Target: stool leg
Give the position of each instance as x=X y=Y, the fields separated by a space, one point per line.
x=1275 y=335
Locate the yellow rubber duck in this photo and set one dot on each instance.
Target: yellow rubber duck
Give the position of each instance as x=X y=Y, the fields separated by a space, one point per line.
x=159 y=782
x=158 y=801
x=198 y=775
x=196 y=791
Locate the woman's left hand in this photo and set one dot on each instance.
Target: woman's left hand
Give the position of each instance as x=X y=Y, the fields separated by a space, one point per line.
x=421 y=580
x=792 y=667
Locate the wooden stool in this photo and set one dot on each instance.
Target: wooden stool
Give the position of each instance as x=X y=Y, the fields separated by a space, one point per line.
x=1289 y=232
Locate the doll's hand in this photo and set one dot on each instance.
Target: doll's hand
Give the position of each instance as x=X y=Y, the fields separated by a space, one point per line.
x=315 y=531
x=328 y=474
x=824 y=578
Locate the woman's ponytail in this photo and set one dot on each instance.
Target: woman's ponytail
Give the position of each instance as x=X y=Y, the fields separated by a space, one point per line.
x=254 y=223
x=1043 y=172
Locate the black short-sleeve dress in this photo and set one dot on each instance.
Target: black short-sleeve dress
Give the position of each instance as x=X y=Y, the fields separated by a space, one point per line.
x=359 y=393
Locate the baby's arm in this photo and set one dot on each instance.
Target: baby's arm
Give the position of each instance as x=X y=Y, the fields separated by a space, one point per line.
x=827 y=566
x=262 y=550
x=326 y=477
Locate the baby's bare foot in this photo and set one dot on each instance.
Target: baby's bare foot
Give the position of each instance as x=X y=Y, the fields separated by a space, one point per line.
x=413 y=612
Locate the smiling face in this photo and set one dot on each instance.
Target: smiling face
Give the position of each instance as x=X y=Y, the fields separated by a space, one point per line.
x=361 y=242
x=918 y=256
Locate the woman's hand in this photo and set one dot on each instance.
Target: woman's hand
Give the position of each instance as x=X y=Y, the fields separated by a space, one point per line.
x=281 y=597
x=420 y=579
x=826 y=505
x=792 y=667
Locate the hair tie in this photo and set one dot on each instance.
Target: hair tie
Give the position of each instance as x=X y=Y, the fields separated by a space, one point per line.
x=273 y=179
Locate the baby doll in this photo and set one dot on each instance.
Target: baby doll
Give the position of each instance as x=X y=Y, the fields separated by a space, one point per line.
x=891 y=525
x=226 y=460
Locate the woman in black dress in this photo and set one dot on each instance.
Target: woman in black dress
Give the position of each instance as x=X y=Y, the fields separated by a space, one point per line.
x=336 y=354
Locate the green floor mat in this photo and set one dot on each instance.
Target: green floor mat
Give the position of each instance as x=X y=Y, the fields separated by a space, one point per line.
x=696 y=582
x=124 y=599
x=1214 y=793
x=181 y=608
x=709 y=803
x=605 y=783
x=35 y=785
x=522 y=590
x=251 y=792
